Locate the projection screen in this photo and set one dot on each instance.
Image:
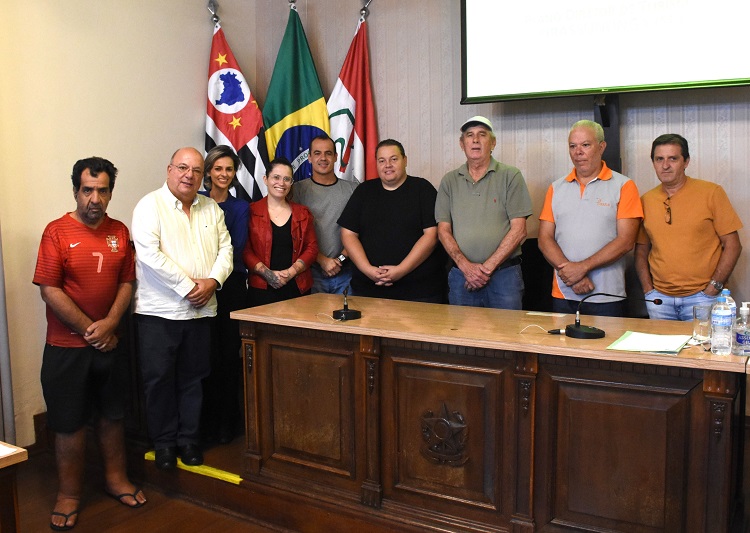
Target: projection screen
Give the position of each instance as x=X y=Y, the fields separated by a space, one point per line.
x=543 y=48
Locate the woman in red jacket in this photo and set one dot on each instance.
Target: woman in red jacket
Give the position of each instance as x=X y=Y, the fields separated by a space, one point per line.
x=281 y=242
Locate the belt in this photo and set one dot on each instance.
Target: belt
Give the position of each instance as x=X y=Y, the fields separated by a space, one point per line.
x=513 y=261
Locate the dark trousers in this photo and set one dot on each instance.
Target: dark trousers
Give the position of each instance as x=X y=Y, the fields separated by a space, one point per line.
x=174 y=358
x=221 y=389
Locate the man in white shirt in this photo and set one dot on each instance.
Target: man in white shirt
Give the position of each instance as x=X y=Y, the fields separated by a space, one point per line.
x=183 y=255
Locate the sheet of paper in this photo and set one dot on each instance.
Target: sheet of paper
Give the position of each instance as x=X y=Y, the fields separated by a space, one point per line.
x=632 y=341
x=6 y=450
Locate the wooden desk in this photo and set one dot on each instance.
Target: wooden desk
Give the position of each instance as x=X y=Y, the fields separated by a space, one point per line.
x=433 y=417
x=8 y=492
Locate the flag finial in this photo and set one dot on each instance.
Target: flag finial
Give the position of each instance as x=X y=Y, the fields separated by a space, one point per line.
x=212 y=9
x=365 y=11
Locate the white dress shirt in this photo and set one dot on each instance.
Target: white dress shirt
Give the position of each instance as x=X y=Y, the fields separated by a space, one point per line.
x=172 y=249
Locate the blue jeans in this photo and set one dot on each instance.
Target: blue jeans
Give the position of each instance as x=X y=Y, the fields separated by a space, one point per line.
x=503 y=291
x=675 y=307
x=334 y=285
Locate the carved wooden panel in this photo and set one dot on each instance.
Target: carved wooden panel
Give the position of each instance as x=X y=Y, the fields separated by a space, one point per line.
x=443 y=423
x=307 y=404
x=619 y=457
x=312 y=408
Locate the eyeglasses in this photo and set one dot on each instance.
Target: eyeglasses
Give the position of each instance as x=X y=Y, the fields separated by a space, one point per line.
x=668 y=211
x=181 y=168
x=276 y=177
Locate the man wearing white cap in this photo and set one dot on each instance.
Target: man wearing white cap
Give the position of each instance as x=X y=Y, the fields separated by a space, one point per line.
x=481 y=210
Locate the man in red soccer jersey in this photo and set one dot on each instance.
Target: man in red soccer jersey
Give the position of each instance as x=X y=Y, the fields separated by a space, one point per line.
x=85 y=271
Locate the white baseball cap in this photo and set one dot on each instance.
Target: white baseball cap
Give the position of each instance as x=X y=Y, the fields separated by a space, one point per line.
x=477 y=121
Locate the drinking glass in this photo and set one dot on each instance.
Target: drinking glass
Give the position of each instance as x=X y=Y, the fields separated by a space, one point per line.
x=701 y=323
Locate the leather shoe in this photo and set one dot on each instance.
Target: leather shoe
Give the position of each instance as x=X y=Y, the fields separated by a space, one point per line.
x=191 y=455
x=166 y=458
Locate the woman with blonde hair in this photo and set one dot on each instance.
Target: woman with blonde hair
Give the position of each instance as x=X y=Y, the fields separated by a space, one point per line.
x=221 y=413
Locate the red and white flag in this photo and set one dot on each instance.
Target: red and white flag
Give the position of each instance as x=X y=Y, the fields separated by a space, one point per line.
x=351 y=112
x=233 y=118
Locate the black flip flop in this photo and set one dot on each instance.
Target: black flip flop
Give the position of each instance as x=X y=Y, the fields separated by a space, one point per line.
x=65 y=526
x=119 y=497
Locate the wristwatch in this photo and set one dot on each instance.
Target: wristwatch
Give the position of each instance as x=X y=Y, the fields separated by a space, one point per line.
x=716 y=284
x=342 y=258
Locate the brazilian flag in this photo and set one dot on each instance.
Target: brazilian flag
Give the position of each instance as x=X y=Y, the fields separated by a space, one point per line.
x=295 y=109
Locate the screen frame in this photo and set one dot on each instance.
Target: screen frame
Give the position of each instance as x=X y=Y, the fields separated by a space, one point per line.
x=489 y=98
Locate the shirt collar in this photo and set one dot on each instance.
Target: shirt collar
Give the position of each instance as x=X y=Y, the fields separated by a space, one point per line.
x=604 y=174
x=463 y=170
x=173 y=200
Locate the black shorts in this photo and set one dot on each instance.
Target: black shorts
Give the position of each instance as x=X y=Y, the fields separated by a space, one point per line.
x=80 y=383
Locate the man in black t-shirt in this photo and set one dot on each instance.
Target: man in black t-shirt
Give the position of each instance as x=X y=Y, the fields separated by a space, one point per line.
x=389 y=229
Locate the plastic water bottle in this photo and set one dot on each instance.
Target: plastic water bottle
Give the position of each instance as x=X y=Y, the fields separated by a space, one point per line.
x=730 y=302
x=742 y=331
x=721 y=327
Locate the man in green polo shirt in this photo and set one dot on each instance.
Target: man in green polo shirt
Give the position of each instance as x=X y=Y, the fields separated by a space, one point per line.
x=481 y=211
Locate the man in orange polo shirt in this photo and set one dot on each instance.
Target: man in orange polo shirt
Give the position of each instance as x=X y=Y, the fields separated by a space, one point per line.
x=588 y=223
x=688 y=244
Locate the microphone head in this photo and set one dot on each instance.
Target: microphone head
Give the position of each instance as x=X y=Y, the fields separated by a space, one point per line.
x=657 y=301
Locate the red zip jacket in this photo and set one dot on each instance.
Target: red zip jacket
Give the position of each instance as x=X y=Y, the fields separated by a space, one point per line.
x=258 y=246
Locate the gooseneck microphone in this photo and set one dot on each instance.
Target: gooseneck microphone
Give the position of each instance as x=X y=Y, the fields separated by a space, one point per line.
x=577 y=331
x=346 y=313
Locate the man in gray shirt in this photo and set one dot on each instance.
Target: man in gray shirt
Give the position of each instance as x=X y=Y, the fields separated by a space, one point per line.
x=326 y=196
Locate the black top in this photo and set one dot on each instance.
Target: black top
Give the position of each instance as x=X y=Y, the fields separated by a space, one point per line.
x=389 y=223
x=281 y=259
x=281 y=245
